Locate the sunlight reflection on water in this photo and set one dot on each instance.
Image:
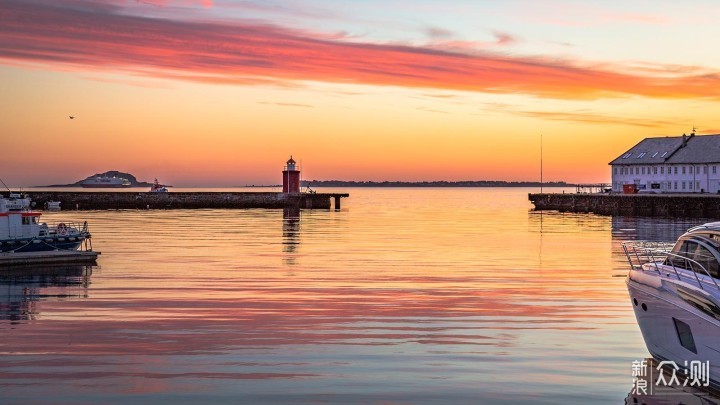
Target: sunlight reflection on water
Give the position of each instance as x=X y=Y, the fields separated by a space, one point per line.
x=404 y=296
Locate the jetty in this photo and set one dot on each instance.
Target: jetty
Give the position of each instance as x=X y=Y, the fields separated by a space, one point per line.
x=119 y=200
x=697 y=205
x=50 y=257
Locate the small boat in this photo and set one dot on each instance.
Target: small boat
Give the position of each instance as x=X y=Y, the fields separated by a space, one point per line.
x=105 y=182
x=158 y=188
x=52 y=205
x=675 y=294
x=21 y=230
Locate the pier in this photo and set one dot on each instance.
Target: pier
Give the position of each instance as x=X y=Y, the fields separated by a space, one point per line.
x=104 y=200
x=647 y=205
x=51 y=257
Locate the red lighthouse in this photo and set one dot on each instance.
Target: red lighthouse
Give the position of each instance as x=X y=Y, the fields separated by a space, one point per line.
x=291 y=178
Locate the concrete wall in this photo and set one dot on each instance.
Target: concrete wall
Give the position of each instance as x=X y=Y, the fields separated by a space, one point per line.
x=180 y=200
x=651 y=205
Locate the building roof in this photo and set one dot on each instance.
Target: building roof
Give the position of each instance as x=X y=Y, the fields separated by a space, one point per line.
x=290 y=161
x=700 y=149
x=688 y=149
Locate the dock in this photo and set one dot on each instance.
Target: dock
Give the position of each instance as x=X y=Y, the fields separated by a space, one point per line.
x=50 y=257
x=109 y=200
x=644 y=205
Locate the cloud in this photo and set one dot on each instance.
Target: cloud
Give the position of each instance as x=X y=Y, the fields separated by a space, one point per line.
x=590 y=118
x=102 y=38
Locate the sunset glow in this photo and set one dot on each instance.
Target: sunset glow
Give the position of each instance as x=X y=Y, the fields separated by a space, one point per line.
x=220 y=93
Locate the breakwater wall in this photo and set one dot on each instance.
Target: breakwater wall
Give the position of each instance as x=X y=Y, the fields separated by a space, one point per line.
x=185 y=200
x=649 y=205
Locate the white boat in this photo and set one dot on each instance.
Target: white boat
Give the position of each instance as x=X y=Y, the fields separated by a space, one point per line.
x=675 y=293
x=21 y=230
x=105 y=182
x=158 y=188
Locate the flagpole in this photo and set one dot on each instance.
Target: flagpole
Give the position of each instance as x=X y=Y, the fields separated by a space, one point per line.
x=541 y=164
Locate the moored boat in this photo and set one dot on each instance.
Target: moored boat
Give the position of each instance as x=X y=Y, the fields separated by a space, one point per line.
x=675 y=294
x=21 y=230
x=158 y=188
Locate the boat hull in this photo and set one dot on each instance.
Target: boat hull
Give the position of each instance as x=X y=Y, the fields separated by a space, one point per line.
x=659 y=311
x=41 y=244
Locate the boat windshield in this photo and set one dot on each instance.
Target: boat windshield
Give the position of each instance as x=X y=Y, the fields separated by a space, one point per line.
x=698 y=252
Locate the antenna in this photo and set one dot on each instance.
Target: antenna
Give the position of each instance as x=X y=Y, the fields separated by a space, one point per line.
x=3 y=183
x=541 y=165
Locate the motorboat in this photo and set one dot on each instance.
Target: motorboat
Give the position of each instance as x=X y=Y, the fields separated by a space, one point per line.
x=158 y=188
x=22 y=231
x=675 y=294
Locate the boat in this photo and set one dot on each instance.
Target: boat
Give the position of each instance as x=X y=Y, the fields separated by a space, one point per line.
x=675 y=293
x=21 y=230
x=158 y=188
x=105 y=182
x=52 y=205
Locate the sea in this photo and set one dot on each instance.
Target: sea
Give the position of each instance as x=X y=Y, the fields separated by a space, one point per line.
x=404 y=296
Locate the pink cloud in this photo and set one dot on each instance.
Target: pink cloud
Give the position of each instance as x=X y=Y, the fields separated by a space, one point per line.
x=100 y=38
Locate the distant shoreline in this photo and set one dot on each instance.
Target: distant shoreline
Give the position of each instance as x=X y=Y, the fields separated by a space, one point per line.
x=483 y=183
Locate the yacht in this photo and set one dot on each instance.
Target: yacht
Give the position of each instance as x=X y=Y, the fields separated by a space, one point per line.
x=22 y=231
x=675 y=294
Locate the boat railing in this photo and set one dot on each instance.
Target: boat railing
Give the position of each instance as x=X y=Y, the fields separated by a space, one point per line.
x=65 y=227
x=641 y=253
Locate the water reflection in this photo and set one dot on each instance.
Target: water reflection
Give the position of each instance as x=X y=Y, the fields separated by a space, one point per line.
x=652 y=229
x=22 y=287
x=658 y=393
x=291 y=235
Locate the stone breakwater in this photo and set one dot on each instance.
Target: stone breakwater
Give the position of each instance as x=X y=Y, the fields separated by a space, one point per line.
x=644 y=205
x=184 y=200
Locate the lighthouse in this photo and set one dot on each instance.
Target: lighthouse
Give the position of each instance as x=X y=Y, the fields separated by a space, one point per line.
x=291 y=177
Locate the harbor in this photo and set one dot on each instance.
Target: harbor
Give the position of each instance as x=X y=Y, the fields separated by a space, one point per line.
x=642 y=205
x=121 y=200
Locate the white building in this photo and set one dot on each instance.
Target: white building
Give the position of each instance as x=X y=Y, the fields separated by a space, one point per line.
x=675 y=164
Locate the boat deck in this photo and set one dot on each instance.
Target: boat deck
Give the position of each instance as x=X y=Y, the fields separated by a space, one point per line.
x=50 y=257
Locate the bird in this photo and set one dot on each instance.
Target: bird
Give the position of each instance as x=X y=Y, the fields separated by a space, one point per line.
x=72 y=117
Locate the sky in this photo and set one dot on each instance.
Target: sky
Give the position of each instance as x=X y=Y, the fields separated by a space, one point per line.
x=222 y=92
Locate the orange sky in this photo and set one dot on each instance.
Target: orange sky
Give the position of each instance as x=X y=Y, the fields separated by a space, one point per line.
x=216 y=93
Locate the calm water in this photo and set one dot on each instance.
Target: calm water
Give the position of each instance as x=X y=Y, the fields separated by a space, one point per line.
x=404 y=296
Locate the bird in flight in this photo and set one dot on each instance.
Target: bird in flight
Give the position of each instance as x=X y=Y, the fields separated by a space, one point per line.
x=72 y=117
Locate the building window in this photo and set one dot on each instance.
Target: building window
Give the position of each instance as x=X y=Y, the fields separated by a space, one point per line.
x=697 y=185
x=662 y=169
x=684 y=171
x=663 y=154
x=676 y=185
x=627 y=155
x=691 y=170
x=714 y=169
x=704 y=169
x=683 y=185
x=675 y=169
x=690 y=183
x=614 y=170
x=655 y=170
x=655 y=154
x=641 y=155
x=643 y=170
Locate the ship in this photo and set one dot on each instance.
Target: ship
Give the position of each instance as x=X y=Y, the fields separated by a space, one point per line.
x=22 y=232
x=105 y=182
